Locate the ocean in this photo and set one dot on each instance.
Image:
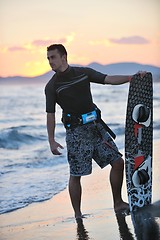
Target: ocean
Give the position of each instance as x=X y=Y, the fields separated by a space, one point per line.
x=28 y=171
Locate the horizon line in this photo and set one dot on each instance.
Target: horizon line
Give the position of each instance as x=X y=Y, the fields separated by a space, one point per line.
x=94 y=62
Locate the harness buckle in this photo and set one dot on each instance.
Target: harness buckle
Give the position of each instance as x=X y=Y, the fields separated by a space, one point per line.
x=71 y=121
x=89 y=117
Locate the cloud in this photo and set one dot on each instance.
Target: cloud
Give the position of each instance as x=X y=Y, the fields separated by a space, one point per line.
x=26 y=47
x=39 y=44
x=124 y=40
x=130 y=40
x=44 y=43
x=16 y=48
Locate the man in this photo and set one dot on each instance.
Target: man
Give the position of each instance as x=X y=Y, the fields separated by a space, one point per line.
x=87 y=136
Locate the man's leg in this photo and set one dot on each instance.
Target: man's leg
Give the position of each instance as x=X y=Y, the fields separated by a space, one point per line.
x=116 y=180
x=75 y=192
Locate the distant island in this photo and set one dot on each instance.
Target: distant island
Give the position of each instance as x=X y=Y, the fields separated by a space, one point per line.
x=126 y=68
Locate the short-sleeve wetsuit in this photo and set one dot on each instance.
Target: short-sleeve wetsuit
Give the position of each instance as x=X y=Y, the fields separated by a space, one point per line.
x=71 y=90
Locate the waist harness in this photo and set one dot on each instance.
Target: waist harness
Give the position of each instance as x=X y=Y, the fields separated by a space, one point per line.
x=74 y=120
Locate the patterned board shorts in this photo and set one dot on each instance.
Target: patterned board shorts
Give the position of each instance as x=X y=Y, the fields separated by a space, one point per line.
x=85 y=143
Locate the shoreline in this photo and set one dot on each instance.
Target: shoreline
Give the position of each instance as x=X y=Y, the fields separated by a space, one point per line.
x=54 y=218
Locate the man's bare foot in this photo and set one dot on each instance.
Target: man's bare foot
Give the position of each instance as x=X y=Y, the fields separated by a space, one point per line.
x=120 y=206
x=79 y=217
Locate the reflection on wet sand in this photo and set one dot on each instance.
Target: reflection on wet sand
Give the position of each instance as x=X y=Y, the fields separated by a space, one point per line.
x=82 y=233
x=124 y=231
x=145 y=222
x=146 y=225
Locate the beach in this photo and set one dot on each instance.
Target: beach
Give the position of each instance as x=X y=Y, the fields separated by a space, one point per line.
x=34 y=199
x=54 y=219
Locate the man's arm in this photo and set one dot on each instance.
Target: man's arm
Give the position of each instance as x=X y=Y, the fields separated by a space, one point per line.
x=117 y=79
x=120 y=79
x=51 y=123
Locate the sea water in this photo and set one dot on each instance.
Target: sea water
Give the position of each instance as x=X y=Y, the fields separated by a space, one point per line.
x=28 y=170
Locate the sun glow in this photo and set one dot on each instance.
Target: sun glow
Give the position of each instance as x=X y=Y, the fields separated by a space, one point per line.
x=36 y=68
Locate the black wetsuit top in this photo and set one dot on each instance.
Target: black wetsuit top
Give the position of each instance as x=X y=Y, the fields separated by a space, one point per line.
x=71 y=90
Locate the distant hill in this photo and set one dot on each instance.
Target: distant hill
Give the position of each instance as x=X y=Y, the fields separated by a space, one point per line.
x=125 y=68
x=110 y=69
x=18 y=79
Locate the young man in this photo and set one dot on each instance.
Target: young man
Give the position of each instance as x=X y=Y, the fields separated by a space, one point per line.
x=87 y=136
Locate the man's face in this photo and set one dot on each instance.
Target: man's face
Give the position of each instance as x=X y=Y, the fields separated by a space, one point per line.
x=56 y=61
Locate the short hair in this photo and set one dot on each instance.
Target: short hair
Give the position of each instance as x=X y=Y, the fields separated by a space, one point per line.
x=61 y=49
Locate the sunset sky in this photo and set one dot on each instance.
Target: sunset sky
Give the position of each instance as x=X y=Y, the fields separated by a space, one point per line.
x=104 y=31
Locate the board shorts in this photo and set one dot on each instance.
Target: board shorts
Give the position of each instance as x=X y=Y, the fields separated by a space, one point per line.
x=85 y=143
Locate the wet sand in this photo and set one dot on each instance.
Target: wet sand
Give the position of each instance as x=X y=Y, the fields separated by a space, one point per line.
x=54 y=219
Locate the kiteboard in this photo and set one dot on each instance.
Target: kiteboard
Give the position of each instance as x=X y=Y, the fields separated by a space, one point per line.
x=138 y=141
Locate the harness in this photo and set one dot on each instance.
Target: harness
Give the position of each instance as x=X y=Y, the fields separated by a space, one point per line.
x=72 y=120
